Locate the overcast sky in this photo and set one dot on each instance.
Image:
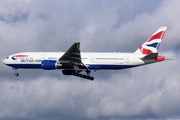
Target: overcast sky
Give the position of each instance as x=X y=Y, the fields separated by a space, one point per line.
x=146 y=92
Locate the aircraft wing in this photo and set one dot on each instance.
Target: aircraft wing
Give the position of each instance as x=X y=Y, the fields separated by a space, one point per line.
x=72 y=57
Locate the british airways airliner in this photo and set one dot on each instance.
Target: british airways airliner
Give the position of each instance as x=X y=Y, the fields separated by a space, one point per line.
x=73 y=62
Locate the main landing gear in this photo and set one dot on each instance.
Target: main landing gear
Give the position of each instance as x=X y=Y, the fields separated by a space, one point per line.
x=78 y=74
x=16 y=71
x=84 y=76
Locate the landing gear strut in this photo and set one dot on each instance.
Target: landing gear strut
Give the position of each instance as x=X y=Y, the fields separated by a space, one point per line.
x=16 y=71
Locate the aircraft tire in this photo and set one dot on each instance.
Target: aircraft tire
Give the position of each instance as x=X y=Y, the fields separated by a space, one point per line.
x=91 y=78
x=16 y=74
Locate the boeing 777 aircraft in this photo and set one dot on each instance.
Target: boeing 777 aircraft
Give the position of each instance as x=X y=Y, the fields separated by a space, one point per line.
x=73 y=62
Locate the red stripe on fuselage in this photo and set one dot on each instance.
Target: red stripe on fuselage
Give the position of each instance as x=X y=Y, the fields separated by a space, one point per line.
x=20 y=56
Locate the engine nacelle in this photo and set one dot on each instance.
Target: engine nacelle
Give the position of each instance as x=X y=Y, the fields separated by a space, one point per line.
x=49 y=64
x=68 y=72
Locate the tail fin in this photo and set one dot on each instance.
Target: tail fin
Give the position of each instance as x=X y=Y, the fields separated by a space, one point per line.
x=153 y=43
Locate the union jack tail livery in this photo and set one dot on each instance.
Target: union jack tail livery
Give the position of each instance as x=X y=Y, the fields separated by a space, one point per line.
x=152 y=44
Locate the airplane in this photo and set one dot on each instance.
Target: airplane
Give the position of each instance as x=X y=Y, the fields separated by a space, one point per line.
x=73 y=61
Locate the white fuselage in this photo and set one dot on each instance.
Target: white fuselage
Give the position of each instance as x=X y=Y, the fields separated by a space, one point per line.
x=92 y=60
x=73 y=62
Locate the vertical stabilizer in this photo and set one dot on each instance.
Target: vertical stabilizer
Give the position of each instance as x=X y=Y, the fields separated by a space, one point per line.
x=153 y=43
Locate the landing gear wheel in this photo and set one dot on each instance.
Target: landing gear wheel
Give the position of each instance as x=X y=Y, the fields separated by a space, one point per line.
x=16 y=71
x=91 y=78
x=16 y=74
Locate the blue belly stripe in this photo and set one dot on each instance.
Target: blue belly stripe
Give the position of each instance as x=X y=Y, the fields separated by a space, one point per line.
x=109 y=66
x=90 y=66
x=25 y=65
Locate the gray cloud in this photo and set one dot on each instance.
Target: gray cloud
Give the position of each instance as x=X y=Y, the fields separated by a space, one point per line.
x=147 y=92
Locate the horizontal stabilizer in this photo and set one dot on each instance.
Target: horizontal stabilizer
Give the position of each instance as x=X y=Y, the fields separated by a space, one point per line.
x=150 y=56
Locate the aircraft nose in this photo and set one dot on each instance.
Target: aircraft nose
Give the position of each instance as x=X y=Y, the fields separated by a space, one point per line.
x=5 y=61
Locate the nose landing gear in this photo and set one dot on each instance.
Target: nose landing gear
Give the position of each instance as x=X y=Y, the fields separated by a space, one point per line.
x=16 y=71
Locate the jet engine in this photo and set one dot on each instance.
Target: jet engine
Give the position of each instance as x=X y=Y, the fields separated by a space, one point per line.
x=50 y=64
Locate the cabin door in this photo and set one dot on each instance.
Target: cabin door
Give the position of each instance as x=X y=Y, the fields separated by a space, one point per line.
x=126 y=59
